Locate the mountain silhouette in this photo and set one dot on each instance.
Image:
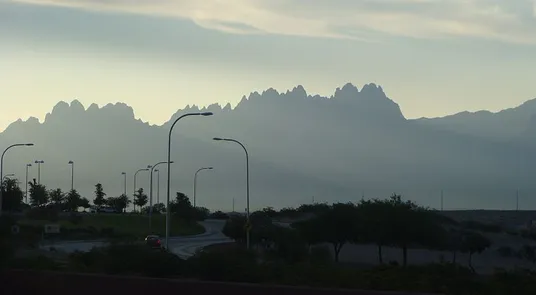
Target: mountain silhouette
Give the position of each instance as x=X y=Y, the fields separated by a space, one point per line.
x=333 y=148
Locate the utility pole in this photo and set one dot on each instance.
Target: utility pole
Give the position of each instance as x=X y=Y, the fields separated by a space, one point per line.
x=233 y=206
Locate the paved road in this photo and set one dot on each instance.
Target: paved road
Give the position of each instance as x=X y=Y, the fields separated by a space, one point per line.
x=181 y=246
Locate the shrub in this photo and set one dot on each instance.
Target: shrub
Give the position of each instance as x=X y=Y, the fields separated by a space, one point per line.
x=506 y=251
x=237 y=265
x=128 y=259
x=50 y=214
x=219 y=215
x=75 y=218
x=39 y=262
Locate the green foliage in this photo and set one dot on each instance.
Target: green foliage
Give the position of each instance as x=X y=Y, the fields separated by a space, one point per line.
x=128 y=259
x=118 y=203
x=182 y=208
x=99 y=200
x=157 y=209
x=140 y=198
x=73 y=201
x=472 y=243
x=48 y=214
x=38 y=194
x=237 y=265
x=234 y=228
x=57 y=196
x=201 y=213
x=11 y=195
x=38 y=262
x=218 y=215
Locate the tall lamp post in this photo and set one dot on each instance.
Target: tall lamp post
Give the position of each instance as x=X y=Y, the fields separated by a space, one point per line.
x=205 y=114
x=39 y=162
x=248 y=225
x=125 y=188
x=26 y=192
x=72 y=174
x=151 y=193
x=157 y=185
x=134 y=193
x=2 y=166
x=195 y=182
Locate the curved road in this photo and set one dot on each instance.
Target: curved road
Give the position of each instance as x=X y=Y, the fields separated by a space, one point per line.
x=184 y=247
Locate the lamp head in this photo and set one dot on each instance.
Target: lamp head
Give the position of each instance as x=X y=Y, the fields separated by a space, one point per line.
x=217 y=138
x=29 y=144
x=207 y=114
x=71 y=162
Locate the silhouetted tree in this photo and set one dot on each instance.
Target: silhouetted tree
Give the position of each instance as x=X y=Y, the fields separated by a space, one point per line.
x=157 y=208
x=73 y=201
x=38 y=194
x=99 y=200
x=182 y=208
x=234 y=228
x=12 y=195
x=57 y=196
x=118 y=203
x=338 y=226
x=375 y=215
x=410 y=224
x=140 y=198
x=472 y=243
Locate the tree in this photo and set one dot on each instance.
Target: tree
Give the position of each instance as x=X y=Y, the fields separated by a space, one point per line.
x=57 y=196
x=340 y=225
x=99 y=200
x=12 y=195
x=234 y=228
x=84 y=203
x=38 y=194
x=157 y=208
x=472 y=243
x=140 y=198
x=73 y=201
x=118 y=203
x=375 y=214
x=410 y=224
x=182 y=207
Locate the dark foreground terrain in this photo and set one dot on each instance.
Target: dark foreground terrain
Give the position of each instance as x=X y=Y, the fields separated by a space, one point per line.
x=57 y=283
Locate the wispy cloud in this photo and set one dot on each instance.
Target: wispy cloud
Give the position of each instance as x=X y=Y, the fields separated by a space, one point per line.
x=503 y=20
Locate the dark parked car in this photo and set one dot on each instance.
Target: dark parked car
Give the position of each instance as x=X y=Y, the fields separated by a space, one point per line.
x=153 y=241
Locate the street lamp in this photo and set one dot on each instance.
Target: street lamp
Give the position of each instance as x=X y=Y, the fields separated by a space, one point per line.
x=26 y=193
x=157 y=186
x=195 y=181
x=134 y=193
x=125 y=187
x=72 y=174
x=2 y=166
x=39 y=162
x=247 y=183
x=205 y=114
x=151 y=193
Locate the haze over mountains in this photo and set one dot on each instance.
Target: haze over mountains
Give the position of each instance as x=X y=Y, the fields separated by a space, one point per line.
x=335 y=149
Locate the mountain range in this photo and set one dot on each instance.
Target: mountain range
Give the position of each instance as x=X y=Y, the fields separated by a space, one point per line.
x=355 y=144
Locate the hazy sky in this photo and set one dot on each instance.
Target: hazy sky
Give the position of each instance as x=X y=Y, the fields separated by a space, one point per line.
x=433 y=57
